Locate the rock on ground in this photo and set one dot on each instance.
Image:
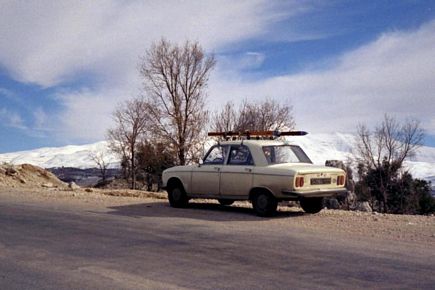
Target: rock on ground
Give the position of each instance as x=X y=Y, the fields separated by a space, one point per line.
x=363 y=206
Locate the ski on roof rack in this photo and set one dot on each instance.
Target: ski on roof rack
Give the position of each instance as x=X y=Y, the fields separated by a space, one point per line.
x=256 y=134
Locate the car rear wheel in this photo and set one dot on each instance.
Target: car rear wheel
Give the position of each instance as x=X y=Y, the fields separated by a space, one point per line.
x=264 y=204
x=225 y=201
x=311 y=205
x=177 y=196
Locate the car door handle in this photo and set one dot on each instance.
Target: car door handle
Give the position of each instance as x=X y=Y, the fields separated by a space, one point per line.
x=248 y=169
x=217 y=168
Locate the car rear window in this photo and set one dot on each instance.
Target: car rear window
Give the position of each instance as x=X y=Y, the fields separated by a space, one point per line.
x=278 y=154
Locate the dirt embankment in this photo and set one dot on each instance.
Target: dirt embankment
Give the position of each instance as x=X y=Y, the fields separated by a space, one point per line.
x=28 y=176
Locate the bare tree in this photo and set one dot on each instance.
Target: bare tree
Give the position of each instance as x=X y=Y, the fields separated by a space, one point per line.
x=154 y=157
x=261 y=116
x=102 y=163
x=383 y=151
x=226 y=119
x=391 y=142
x=175 y=78
x=131 y=123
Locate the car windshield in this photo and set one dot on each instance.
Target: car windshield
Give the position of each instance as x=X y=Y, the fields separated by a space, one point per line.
x=285 y=154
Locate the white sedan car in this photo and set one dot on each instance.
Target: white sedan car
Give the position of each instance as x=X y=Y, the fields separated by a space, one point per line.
x=261 y=171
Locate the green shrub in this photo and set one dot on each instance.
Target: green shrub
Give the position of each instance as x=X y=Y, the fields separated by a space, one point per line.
x=394 y=192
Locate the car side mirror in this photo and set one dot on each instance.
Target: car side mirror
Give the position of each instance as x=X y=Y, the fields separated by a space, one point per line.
x=200 y=162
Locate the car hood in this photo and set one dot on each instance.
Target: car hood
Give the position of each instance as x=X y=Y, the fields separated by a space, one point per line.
x=181 y=168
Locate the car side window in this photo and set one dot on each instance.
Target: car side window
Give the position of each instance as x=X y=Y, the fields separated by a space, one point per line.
x=216 y=155
x=240 y=155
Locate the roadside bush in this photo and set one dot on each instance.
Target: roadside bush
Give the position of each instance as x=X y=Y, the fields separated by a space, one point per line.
x=402 y=196
x=426 y=201
x=403 y=193
x=381 y=153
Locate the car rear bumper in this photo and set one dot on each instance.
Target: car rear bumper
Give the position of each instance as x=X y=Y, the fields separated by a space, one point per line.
x=314 y=193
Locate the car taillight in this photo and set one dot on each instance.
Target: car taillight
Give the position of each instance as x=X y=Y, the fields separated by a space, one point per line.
x=299 y=181
x=340 y=180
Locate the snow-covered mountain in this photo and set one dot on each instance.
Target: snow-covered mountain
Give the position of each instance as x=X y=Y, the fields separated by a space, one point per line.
x=319 y=147
x=78 y=156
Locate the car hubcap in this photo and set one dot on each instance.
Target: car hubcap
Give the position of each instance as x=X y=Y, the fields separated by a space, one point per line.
x=262 y=201
x=176 y=194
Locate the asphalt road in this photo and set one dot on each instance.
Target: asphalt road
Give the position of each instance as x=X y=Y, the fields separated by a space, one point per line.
x=152 y=246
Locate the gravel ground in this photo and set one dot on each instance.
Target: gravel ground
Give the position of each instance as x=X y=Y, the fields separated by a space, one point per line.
x=413 y=229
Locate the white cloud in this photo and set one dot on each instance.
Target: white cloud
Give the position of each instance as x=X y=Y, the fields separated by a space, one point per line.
x=51 y=43
x=48 y=42
x=245 y=61
x=87 y=114
x=393 y=74
x=40 y=119
x=11 y=119
x=55 y=42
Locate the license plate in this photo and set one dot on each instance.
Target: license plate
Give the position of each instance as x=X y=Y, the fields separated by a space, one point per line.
x=320 y=181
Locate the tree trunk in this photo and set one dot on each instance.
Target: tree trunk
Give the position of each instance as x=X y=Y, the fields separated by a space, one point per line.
x=385 y=202
x=103 y=173
x=133 y=170
x=181 y=156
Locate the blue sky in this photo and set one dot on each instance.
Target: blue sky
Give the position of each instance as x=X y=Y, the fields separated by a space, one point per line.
x=65 y=65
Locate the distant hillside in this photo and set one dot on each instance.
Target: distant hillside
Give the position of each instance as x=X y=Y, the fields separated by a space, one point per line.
x=319 y=147
x=77 y=156
x=83 y=177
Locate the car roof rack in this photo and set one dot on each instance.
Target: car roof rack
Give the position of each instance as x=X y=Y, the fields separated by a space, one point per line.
x=255 y=135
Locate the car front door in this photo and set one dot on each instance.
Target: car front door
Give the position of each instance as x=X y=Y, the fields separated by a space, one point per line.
x=206 y=177
x=236 y=176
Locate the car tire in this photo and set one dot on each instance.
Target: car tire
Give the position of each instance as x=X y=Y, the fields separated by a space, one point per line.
x=311 y=205
x=225 y=201
x=264 y=204
x=177 y=196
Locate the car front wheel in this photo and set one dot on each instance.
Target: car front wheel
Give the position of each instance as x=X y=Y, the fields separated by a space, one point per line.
x=312 y=205
x=264 y=204
x=177 y=196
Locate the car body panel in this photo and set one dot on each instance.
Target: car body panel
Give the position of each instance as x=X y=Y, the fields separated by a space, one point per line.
x=236 y=180
x=205 y=180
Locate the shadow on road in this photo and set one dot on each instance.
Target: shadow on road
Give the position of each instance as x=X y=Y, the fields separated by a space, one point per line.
x=197 y=211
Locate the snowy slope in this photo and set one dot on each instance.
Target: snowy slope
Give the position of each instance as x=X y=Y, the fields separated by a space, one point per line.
x=319 y=147
x=322 y=147
x=78 y=156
